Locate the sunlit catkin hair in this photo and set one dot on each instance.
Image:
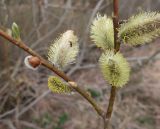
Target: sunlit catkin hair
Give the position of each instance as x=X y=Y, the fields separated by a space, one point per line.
x=102 y=32
x=141 y=28
x=115 y=68
x=64 y=50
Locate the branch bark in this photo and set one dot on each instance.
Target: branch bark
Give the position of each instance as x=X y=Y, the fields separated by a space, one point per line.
x=46 y=64
x=116 y=49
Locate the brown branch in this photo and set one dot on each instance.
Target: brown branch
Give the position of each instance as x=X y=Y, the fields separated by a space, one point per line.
x=116 y=25
x=110 y=107
x=45 y=63
x=116 y=49
x=112 y=98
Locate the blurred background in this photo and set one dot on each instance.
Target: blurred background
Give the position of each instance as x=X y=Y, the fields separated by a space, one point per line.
x=26 y=102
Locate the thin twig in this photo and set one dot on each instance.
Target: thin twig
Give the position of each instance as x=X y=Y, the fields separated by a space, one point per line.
x=61 y=21
x=9 y=123
x=45 y=63
x=25 y=109
x=116 y=25
x=110 y=106
x=116 y=49
x=7 y=113
x=29 y=124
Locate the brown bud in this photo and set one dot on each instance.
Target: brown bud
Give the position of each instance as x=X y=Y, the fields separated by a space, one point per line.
x=34 y=61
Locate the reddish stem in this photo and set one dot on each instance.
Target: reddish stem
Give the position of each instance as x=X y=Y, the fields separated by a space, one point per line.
x=116 y=49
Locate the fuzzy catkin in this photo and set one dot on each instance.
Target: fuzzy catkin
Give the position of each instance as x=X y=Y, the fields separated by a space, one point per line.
x=115 y=68
x=141 y=28
x=64 y=50
x=102 y=32
x=57 y=86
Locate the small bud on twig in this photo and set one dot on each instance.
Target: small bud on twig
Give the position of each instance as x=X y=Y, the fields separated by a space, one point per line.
x=32 y=62
x=15 y=31
x=73 y=84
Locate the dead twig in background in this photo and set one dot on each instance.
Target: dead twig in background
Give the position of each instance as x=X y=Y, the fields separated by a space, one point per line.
x=30 y=125
x=9 y=123
x=83 y=40
x=66 y=11
x=25 y=109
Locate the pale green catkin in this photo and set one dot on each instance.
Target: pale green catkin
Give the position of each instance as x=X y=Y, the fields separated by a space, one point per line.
x=64 y=50
x=115 y=68
x=141 y=28
x=57 y=86
x=102 y=32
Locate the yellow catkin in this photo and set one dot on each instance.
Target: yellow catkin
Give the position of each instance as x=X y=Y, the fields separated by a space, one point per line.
x=141 y=28
x=115 y=68
x=57 y=86
x=102 y=32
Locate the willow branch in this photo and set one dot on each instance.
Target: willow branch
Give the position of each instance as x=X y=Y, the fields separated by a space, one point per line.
x=116 y=49
x=110 y=107
x=46 y=64
x=116 y=25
